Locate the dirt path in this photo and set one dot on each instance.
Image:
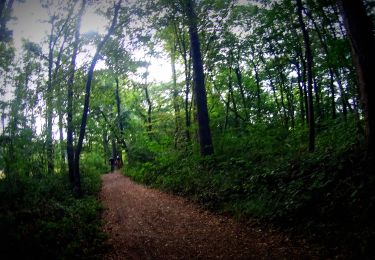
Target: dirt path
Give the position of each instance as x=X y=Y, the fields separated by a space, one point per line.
x=145 y=223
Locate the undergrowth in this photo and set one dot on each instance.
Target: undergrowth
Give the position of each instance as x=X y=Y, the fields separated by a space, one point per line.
x=327 y=196
x=41 y=219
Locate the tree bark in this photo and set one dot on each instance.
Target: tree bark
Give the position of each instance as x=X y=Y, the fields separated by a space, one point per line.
x=359 y=29
x=187 y=70
x=53 y=38
x=70 y=93
x=257 y=80
x=49 y=102
x=237 y=70
x=176 y=106
x=300 y=91
x=77 y=179
x=309 y=63
x=106 y=146
x=204 y=131
x=149 y=108
x=60 y=106
x=119 y=118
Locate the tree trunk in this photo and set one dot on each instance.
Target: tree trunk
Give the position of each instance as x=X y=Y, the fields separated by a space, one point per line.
x=333 y=98
x=114 y=147
x=70 y=93
x=257 y=80
x=114 y=131
x=106 y=146
x=204 y=131
x=309 y=63
x=242 y=92
x=180 y=36
x=282 y=87
x=359 y=29
x=290 y=98
x=77 y=179
x=176 y=106
x=49 y=103
x=231 y=94
x=119 y=117
x=60 y=106
x=149 y=109
x=62 y=148
x=301 y=92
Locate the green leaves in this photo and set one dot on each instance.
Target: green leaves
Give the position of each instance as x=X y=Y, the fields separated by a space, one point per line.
x=42 y=219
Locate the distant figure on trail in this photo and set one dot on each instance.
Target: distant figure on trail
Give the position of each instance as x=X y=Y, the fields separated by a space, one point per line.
x=118 y=162
x=112 y=163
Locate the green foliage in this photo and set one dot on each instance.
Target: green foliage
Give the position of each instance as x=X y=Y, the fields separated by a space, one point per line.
x=255 y=75
x=319 y=194
x=94 y=163
x=40 y=218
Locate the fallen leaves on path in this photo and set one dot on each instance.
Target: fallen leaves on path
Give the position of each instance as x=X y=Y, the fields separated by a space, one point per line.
x=145 y=223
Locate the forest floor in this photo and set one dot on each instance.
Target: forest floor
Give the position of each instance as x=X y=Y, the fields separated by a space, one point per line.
x=144 y=223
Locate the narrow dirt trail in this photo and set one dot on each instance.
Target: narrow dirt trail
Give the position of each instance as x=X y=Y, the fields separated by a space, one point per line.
x=145 y=223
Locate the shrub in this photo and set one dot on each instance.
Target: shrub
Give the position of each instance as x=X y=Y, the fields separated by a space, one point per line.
x=40 y=219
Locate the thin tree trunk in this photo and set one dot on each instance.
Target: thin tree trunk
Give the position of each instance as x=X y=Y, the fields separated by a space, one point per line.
x=226 y=113
x=176 y=106
x=49 y=102
x=304 y=79
x=319 y=112
x=282 y=87
x=50 y=88
x=115 y=131
x=343 y=98
x=230 y=89
x=70 y=94
x=114 y=147
x=119 y=117
x=60 y=107
x=242 y=92
x=272 y=85
x=289 y=96
x=61 y=136
x=149 y=108
x=77 y=179
x=309 y=62
x=301 y=93
x=187 y=70
x=333 y=98
x=257 y=80
x=105 y=146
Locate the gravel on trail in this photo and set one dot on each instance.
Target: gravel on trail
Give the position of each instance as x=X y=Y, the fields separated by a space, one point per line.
x=144 y=223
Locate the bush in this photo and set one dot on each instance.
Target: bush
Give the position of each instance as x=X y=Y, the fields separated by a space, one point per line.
x=40 y=218
x=269 y=174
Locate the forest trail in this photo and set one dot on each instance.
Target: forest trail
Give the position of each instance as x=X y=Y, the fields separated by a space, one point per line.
x=144 y=223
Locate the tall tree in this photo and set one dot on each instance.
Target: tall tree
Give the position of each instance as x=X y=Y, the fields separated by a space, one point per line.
x=204 y=131
x=360 y=32
x=55 y=34
x=309 y=63
x=70 y=95
x=90 y=74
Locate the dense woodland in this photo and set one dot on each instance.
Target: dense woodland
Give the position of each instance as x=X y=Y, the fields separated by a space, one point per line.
x=268 y=115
